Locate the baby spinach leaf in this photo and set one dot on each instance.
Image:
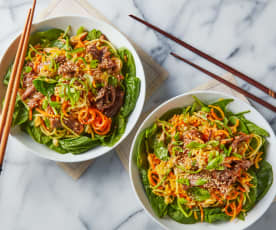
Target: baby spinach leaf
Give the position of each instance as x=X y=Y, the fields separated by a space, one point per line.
x=58 y=43
x=139 y=148
x=132 y=83
x=264 y=179
x=157 y=202
x=21 y=113
x=253 y=128
x=119 y=125
x=46 y=88
x=93 y=34
x=160 y=150
x=36 y=133
x=212 y=215
x=175 y=213
x=78 y=145
x=45 y=37
x=199 y=194
x=7 y=75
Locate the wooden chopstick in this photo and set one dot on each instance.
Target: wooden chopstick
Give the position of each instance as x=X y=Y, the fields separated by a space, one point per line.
x=231 y=85
x=10 y=98
x=215 y=61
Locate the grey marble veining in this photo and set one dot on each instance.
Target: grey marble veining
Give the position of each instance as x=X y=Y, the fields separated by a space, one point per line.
x=36 y=194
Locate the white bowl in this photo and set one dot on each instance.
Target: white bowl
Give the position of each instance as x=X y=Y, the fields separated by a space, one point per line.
x=236 y=106
x=118 y=40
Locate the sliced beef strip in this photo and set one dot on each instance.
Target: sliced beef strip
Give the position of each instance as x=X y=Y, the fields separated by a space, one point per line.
x=28 y=92
x=220 y=179
x=92 y=49
x=109 y=100
x=239 y=139
x=28 y=79
x=107 y=64
x=112 y=111
x=73 y=124
x=191 y=135
x=60 y=60
x=34 y=100
x=67 y=68
x=55 y=123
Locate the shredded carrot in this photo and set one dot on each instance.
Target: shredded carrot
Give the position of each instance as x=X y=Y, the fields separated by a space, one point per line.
x=234 y=127
x=83 y=116
x=222 y=132
x=201 y=213
x=195 y=215
x=213 y=113
x=30 y=114
x=63 y=108
x=100 y=123
x=151 y=180
x=258 y=159
x=45 y=113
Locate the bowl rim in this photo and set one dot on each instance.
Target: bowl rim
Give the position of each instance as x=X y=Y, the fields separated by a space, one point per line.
x=141 y=128
x=141 y=99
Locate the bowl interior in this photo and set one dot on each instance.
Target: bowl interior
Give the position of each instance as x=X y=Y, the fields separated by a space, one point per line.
x=118 y=40
x=236 y=106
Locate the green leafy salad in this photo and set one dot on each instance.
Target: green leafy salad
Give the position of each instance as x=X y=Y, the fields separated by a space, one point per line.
x=76 y=91
x=203 y=163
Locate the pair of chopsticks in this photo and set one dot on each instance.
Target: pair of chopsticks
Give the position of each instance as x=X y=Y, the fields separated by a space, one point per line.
x=11 y=94
x=215 y=61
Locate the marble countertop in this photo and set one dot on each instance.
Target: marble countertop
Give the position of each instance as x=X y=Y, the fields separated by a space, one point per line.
x=37 y=194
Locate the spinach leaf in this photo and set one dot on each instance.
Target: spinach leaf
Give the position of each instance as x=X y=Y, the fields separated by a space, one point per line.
x=45 y=37
x=58 y=43
x=251 y=200
x=157 y=202
x=212 y=215
x=78 y=145
x=7 y=75
x=199 y=194
x=253 y=128
x=140 y=149
x=264 y=179
x=175 y=213
x=169 y=114
x=160 y=150
x=132 y=83
x=119 y=126
x=36 y=133
x=21 y=113
x=46 y=88
x=93 y=34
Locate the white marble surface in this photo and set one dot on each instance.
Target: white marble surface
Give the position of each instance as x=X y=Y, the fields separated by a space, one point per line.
x=37 y=194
